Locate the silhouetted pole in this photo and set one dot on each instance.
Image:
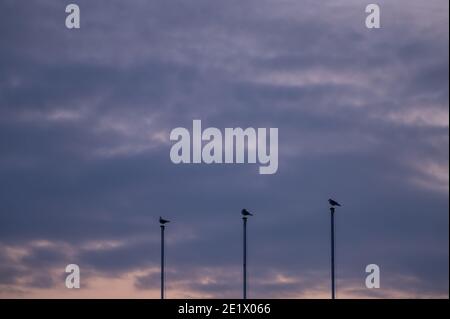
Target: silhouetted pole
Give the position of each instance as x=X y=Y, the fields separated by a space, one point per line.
x=162 y=223
x=333 y=287
x=245 y=213
x=162 y=261
x=245 y=258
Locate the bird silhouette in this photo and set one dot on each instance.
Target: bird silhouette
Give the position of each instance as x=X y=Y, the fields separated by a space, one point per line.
x=245 y=212
x=163 y=221
x=333 y=203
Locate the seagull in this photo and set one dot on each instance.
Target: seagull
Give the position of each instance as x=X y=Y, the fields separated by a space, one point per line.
x=333 y=203
x=163 y=221
x=245 y=212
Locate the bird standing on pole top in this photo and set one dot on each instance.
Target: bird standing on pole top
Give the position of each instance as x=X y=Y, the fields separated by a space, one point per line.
x=163 y=221
x=246 y=213
x=333 y=203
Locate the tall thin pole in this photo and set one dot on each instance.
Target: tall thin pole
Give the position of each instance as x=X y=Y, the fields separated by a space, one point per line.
x=245 y=258
x=162 y=261
x=333 y=287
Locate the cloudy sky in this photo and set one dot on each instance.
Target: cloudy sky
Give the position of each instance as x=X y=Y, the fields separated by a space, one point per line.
x=85 y=172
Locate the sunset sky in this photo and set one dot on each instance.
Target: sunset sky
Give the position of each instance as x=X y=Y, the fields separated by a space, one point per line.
x=85 y=171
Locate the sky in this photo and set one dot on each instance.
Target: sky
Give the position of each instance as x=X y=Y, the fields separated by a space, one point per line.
x=85 y=171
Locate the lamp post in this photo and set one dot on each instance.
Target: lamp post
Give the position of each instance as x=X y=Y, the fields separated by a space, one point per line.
x=333 y=286
x=245 y=213
x=162 y=223
x=333 y=204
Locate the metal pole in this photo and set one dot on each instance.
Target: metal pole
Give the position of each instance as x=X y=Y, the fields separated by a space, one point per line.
x=162 y=261
x=333 y=287
x=245 y=257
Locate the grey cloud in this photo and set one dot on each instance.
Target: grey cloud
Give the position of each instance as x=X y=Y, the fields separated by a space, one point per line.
x=310 y=69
